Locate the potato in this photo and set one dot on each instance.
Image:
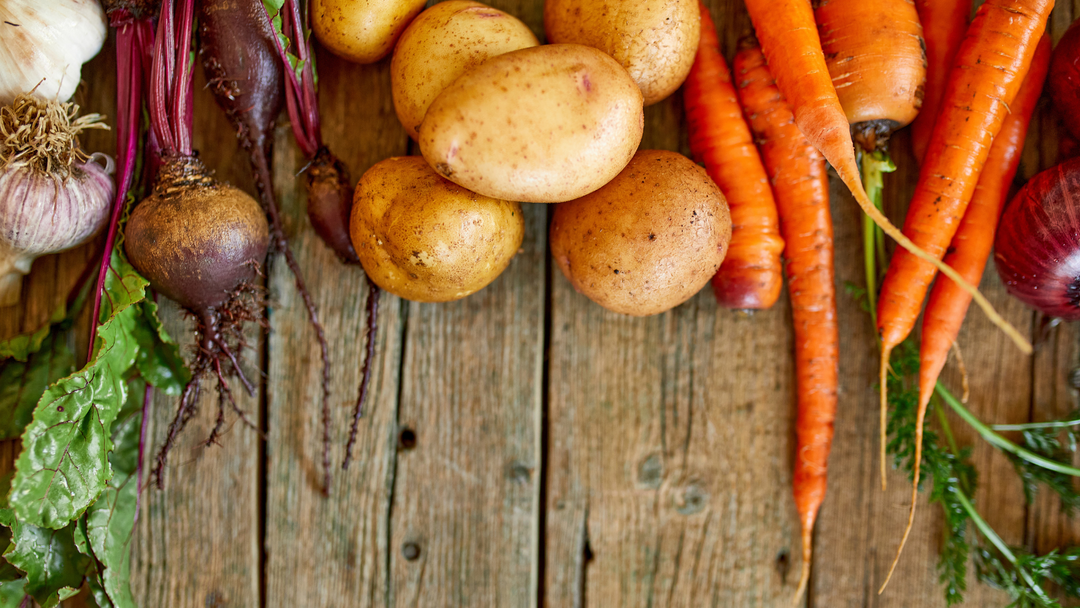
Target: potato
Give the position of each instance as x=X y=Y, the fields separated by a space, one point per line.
x=542 y=125
x=440 y=45
x=426 y=239
x=647 y=241
x=362 y=31
x=655 y=40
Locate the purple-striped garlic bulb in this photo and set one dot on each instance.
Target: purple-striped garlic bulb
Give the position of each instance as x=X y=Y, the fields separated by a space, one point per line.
x=53 y=196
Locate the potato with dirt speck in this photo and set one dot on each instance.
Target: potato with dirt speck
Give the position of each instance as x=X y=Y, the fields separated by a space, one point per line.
x=540 y=125
x=426 y=239
x=647 y=241
x=655 y=40
x=362 y=31
x=442 y=44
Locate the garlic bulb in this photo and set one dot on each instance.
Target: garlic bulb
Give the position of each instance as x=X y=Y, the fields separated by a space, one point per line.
x=43 y=44
x=52 y=195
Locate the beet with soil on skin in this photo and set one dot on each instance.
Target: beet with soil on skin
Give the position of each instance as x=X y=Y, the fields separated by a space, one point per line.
x=329 y=207
x=239 y=53
x=1037 y=249
x=196 y=240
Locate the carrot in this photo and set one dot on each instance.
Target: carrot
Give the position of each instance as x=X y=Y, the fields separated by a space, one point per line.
x=750 y=276
x=990 y=65
x=800 y=181
x=874 y=52
x=970 y=249
x=944 y=23
x=790 y=42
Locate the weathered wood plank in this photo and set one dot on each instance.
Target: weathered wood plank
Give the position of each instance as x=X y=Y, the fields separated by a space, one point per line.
x=467 y=487
x=669 y=441
x=197 y=541
x=330 y=551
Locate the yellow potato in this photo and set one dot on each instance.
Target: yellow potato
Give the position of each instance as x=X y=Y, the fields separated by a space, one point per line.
x=655 y=40
x=362 y=31
x=426 y=239
x=542 y=125
x=440 y=45
x=647 y=241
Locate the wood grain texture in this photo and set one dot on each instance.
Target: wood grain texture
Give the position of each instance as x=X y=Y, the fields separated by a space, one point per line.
x=669 y=443
x=564 y=455
x=330 y=551
x=466 y=495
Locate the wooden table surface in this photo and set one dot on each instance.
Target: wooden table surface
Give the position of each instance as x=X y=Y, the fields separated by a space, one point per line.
x=562 y=455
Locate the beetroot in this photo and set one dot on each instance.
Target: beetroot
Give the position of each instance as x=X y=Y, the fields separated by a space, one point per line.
x=197 y=241
x=329 y=203
x=329 y=188
x=238 y=48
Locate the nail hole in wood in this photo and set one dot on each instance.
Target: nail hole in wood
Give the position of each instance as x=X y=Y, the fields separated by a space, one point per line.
x=411 y=551
x=783 y=562
x=407 y=439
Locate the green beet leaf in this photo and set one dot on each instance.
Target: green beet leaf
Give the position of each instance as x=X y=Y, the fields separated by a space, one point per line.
x=22 y=382
x=111 y=519
x=64 y=464
x=12 y=594
x=53 y=565
x=159 y=360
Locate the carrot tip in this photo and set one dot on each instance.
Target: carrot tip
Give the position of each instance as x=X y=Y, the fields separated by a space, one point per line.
x=804 y=576
x=883 y=377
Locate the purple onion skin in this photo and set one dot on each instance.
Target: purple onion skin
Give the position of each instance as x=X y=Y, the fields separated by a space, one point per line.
x=1037 y=249
x=1063 y=79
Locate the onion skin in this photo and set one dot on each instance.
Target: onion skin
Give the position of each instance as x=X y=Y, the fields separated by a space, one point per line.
x=1037 y=249
x=1064 y=78
x=196 y=240
x=42 y=214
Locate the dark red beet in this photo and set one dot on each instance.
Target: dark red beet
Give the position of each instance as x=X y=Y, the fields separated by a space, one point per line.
x=329 y=204
x=194 y=239
x=240 y=58
x=1063 y=79
x=1037 y=249
x=200 y=243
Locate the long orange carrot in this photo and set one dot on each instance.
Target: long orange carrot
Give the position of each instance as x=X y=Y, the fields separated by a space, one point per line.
x=970 y=249
x=800 y=182
x=990 y=65
x=790 y=42
x=750 y=276
x=944 y=23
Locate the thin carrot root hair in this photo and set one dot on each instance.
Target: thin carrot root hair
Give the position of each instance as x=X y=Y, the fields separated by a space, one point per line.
x=963 y=372
x=883 y=377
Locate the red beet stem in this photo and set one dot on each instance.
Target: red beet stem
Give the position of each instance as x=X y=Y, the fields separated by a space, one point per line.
x=300 y=97
x=171 y=93
x=134 y=39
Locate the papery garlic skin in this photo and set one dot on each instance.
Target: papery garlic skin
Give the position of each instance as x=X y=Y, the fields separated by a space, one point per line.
x=41 y=214
x=44 y=43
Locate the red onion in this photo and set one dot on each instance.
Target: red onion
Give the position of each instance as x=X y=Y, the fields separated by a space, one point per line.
x=1037 y=251
x=1063 y=79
